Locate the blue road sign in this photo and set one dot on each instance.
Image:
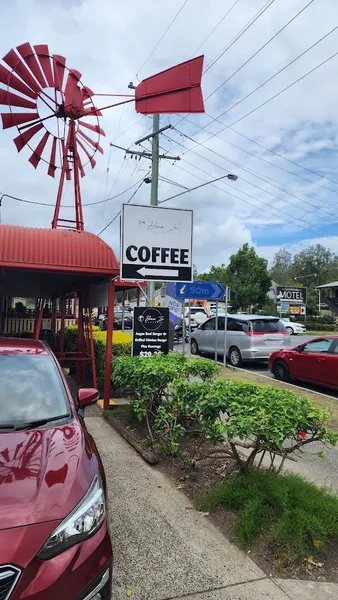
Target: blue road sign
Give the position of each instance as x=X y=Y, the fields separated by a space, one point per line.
x=200 y=290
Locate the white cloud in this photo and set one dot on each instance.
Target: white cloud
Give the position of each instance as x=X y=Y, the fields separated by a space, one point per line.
x=109 y=41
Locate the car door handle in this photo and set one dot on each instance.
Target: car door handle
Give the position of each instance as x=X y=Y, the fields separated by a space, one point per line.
x=321 y=359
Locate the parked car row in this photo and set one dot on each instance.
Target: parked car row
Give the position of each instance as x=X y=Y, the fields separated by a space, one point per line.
x=258 y=338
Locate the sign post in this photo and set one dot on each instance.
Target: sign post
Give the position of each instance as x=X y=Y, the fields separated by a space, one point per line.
x=150 y=331
x=156 y=244
x=226 y=298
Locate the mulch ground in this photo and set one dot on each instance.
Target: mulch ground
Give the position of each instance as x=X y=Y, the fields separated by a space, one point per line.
x=196 y=480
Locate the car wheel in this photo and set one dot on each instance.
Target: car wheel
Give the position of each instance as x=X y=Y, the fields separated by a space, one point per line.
x=289 y=330
x=281 y=371
x=235 y=358
x=194 y=347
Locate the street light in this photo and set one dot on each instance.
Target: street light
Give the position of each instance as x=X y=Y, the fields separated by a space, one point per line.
x=232 y=177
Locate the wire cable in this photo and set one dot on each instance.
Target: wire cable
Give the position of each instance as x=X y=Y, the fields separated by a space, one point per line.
x=68 y=205
x=162 y=36
x=118 y=214
x=216 y=26
x=259 y=50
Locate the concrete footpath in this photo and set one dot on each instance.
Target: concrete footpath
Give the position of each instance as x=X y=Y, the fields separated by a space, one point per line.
x=166 y=551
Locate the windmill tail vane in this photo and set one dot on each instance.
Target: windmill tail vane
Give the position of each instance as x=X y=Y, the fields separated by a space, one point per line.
x=56 y=118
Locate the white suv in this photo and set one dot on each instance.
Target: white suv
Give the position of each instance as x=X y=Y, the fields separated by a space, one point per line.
x=198 y=315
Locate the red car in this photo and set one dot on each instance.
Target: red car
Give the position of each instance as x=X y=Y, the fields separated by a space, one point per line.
x=54 y=536
x=315 y=362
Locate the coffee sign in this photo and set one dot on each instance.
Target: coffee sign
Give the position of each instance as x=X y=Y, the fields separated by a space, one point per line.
x=150 y=331
x=293 y=295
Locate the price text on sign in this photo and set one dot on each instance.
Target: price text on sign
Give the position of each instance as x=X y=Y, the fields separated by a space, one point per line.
x=156 y=244
x=150 y=331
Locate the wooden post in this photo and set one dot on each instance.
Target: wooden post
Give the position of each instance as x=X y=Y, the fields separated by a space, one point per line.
x=109 y=344
x=62 y=328
x=138 y=296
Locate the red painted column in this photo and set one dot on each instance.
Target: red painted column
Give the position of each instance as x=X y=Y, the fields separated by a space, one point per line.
x=138 y=296
x=38 y=320
x=109 y=344
x=62 y=328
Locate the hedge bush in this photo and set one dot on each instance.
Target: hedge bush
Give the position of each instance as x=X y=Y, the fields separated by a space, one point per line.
x=320 y=326
x=121 y=347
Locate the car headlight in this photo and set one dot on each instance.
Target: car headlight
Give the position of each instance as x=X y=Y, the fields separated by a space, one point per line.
x=86 y=518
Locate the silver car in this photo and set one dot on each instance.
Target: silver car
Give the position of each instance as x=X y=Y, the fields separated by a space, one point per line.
x=249 y=337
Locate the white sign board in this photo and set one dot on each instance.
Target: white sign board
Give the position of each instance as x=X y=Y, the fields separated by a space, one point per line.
x=156 y=244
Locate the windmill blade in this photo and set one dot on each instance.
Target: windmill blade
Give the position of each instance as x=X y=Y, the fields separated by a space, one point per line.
x=42 y=52
x=175 y=90
x=13 y=119
x=73 y=95
x=59 y=64
x=52 y=166
x=90 y=141
x=22 y=140
x=29 y=57
x=87 y=93
x=65 y=164
x=93 y=112
x=13 y=82
x=10 y=99
x=36 y=156
x=14 y=61
x=90 y=158
x=95 y=128
x=80 y=165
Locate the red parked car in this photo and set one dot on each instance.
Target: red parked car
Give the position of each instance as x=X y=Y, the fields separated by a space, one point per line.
x=54 y=536
x=315 y=362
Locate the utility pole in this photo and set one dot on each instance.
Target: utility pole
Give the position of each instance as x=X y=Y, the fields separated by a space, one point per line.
x=154 y=185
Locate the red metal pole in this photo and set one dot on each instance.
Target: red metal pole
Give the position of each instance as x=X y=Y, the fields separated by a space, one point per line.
x=109 y=344
x=77 y=187
x=38 y=320
x=80 y=341
x=62 y=182
x=138 y=296
x=62 y=328
x=53 y=321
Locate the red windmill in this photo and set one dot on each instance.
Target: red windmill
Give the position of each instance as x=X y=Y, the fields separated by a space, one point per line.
x=56 y=118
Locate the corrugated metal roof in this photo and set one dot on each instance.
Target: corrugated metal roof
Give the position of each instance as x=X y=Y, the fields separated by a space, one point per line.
x=328 y=285
x=61 y=250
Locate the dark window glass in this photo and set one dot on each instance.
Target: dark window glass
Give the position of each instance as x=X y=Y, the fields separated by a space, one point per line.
x=318 y=346
x=209 y=325
x=266 y=326
x=237 y=325
x=30 y=388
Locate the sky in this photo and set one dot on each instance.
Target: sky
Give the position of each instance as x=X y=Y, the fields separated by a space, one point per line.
x=284 y=153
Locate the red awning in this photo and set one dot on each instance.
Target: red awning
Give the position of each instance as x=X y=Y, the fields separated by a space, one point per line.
x=59 y=250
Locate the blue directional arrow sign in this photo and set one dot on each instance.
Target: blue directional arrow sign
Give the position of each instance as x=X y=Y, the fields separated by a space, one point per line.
x=200 y=290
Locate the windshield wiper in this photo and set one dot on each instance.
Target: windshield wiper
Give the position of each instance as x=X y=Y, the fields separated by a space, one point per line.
x=38 y=423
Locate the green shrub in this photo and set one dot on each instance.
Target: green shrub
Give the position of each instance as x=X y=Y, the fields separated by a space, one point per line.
x=293 y=514
x=261 y=419
x=319 y=326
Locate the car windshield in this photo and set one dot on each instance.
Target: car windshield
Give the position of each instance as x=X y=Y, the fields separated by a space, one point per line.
x=30 y=389
x=266 y=326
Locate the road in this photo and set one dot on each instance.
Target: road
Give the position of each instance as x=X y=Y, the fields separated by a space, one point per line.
x=261 y=368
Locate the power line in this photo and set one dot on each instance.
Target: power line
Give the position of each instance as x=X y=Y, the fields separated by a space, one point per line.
x=117 y=215
x=257 y=176
x=265 y=160
x=162 y=36
x=68 y=205
x=270 y=79
x=259 y=50
x=250 y=203
x=260 y=188
x=240 y=33
x=216 y=26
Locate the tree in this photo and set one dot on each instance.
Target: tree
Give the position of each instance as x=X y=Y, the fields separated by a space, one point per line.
x=247 y=276
x=316 y=264
x=216 y=274
x=281 y=270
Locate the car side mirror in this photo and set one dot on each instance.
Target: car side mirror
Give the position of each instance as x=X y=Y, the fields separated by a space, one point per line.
x=87 y=396
x=299 y=349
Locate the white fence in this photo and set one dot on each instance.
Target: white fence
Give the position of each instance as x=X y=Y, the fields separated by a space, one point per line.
x=14 y=325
